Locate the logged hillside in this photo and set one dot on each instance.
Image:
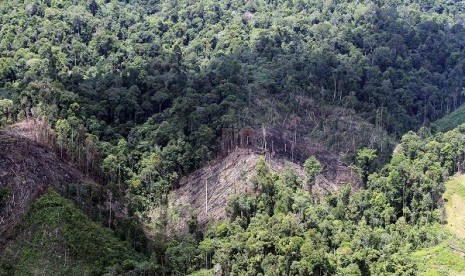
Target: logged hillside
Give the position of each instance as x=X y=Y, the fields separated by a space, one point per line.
x=30 y=165
x=143 y=78
x=56 y=238
x=44 y=233
x=204 y=194
x=156 y=100
x=382 y=229
x=27 y=170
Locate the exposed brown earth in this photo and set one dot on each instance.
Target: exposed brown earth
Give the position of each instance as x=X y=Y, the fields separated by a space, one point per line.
x=28 y=167
x=27 y=170
x=206 y=192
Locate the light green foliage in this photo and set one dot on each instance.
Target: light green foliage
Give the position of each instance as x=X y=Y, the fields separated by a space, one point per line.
x=440 y=260
x=63 y=131
x=7 y=112
x=312 y=168
x=243 y=206
x=451 y=120
x=365 y=157
x=170 y=76
x=290 y=178
x=264 y=184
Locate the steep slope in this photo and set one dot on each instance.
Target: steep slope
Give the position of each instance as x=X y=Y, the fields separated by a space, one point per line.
x=451 y=120
x=27 y=170
x=332 y=135
x=204 y=193
x=55 y=238
x=41 y=232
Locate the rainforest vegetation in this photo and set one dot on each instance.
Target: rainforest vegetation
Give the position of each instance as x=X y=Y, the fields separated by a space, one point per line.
x=140 y=93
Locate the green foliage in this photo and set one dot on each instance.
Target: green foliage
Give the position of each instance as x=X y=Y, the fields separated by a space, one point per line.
x=291 y=179
x=451 y=120
x=181 y=256
x=440 y=260
x=312 y=168
x=446 y=257
x=373 y=231
x=4 y=196
x=243 y=206
x=171 y=76
x=63 y=128
x=365 y=157
x=168 y=78
x=264 y=184
x=56 y=238
x=139 y=93
x=7 y=112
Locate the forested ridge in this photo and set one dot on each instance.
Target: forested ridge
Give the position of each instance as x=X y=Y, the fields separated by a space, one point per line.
x=138 y=94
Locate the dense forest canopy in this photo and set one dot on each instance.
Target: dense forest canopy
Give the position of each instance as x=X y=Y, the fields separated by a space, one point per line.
x=125 y=61
x=168 y=76
x=140 y=93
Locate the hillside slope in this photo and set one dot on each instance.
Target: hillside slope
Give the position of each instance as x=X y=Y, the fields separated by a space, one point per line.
x=55 y=238
x=43 y=233
x=225 y=177
x=27 y=170
x=451 y=120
